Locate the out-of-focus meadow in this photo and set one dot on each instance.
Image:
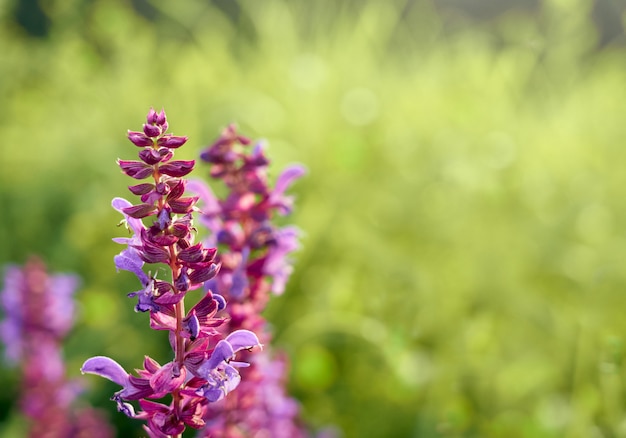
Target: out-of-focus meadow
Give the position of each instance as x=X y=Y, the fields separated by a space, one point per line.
x=463 y=272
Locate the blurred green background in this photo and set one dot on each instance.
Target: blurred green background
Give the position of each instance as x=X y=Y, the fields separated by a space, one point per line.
x=462 y=273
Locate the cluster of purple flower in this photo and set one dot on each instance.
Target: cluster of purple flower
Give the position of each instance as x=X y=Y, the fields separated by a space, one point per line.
x=203 y=369
x=253 y=254
x=39 y=312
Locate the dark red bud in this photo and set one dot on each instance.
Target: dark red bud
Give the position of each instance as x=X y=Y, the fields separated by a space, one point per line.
x=140 y=211
x=177 y=168
x=152 y=116
x=171 y=141
x=177 y=189
x=183 y=205
x=162 y=287
x=164 y=239
x=135 y=169
x=151 y=130
x=193 y=254
x=183 y=243
x=180 y=230
x=140 y=139
x=205 y=308
x=150 y=156
x=201 y=275
x=152 y=253
x=141 y=189
x=161 y=118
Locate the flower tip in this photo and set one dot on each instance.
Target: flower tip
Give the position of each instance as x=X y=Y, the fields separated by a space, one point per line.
x=152 y=116
x=105 y=367
x=243 y=340
x=120 y=203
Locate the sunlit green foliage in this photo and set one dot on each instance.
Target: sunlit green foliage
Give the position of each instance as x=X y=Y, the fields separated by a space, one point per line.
x=464 y=266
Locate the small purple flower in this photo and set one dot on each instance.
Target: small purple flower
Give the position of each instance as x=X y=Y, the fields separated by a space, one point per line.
x=220 y=370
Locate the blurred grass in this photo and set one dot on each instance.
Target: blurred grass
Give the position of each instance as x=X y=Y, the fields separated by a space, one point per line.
x=461 y=273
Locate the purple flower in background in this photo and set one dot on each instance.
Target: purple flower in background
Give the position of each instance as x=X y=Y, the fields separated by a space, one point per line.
x=49 y=305
x=39 y=312
x=11 y=300
x=254 y=256
x=202 y=369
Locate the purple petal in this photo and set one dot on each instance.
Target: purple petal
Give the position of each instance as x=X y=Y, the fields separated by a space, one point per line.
x=232 y=378
x=134 y=224
x=223 y=351
x=193 y=325
x=220 y=382
x=129 y=260
x=242 y=339
x=213 y=394
x=120 y=203
x=125 y=408
x=285 y=179
x=106 y=367
x=221 y=302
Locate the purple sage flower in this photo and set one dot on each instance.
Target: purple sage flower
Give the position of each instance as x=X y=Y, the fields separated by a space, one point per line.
x=203 y=369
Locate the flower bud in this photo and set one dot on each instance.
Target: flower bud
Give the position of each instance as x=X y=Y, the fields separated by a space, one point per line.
x=150 y=156
x=177 y=168
x=171 y=141
x=161 y=119
x=139 y=139
x=183 y=205
x=140 y=211
x=151 y=130
x=135 y=169
x=152 y=116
